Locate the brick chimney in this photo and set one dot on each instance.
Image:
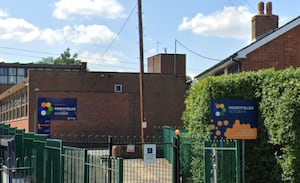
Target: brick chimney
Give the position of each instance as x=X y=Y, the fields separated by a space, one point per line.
x=263 y=23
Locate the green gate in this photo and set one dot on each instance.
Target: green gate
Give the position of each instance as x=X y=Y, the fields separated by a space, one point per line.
x=222 y=161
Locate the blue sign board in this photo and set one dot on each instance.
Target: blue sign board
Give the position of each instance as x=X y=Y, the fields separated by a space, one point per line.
x=55 y=109
x=233 y=119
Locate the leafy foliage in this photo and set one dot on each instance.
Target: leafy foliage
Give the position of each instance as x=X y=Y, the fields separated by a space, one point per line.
x=64 y=58
x=275 y=155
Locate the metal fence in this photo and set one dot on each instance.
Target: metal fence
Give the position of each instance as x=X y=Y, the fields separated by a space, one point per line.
x=39 y=159
x=99 y=167
x=222 y=161
x=35 y=158
x=136 y=169
x=16 y=170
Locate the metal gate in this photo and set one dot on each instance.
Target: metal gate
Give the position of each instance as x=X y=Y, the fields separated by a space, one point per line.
x=12 y=168
x=222 y=161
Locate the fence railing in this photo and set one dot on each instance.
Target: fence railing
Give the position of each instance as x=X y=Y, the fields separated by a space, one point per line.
x=17 y=170
x=222 y=161
x=38 y=159
x=118 y=160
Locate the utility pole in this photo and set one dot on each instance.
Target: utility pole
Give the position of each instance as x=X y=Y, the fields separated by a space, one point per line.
x=142 y=101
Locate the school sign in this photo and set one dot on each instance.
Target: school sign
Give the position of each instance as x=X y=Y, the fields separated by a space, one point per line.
x=233 y=119
x=55 y=109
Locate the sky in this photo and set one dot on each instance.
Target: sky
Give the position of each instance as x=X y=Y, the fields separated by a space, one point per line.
x=104 y=33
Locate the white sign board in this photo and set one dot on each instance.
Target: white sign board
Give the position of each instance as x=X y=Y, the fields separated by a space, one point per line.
x=149 y=153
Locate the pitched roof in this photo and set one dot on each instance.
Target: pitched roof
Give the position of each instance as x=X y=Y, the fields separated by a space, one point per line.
x=242 y=53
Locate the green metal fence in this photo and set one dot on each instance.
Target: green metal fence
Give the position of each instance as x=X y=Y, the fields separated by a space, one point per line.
x=43 y=160
x=222 y=157
x=185 y=151
x=81 y=165
x=222 y=161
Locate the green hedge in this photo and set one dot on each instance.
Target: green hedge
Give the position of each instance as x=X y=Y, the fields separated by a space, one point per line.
x=275 y=155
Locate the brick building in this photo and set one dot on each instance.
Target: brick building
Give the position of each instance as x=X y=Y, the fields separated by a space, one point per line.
x=271 y=47
x=104 y=103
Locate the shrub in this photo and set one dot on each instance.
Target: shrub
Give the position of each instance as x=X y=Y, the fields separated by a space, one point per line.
x=275 y=155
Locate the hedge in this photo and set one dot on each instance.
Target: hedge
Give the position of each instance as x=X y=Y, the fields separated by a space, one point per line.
x=275 y=155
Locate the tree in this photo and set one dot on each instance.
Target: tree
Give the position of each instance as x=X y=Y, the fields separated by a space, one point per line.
x=64 y=58
x=47 y=60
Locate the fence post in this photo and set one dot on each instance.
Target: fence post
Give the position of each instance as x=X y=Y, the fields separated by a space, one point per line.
x=37 y=143
x=176 y=162
x=33 y=169
x=53 y=161
x=85 y=171
x=237 y=161
x=6 y=129
x=109 y=158
x=19 y=138
x=120 y=163
x=1 y=128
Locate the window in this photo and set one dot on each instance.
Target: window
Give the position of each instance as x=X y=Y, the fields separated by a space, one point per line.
x=3 y=75
x=12 y=73
x=3 y=79
x=235 y=68
x=20 y=74
x=118 y=88
x=3 y=71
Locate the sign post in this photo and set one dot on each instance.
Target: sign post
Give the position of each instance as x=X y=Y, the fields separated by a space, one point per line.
x=234 y=119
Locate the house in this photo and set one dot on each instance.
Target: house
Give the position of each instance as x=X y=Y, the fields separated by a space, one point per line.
x=271 y=47
x=87 y=105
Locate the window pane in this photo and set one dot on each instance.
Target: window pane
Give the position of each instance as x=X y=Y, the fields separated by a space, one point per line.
x=12 y=80
x=21 y=72
x=3 y=72
x=20 y=78
x=12 y=71
x=3 y=79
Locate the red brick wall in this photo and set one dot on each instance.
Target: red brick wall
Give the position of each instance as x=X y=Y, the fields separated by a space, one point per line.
x=280 y=53
x=164 y=63
x=21 y=124
x=101 y=111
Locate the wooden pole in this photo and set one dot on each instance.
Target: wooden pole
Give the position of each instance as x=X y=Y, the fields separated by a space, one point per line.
x=142 y=101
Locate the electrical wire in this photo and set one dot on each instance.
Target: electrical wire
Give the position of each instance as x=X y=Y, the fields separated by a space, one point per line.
x=16 y=54
x=235 y=7
x=250 y=5
x=43 y=52
x=31 y=56
x=119 y=32
x=90 y=58
x=198 y=54
x=26 y=50
x=115 y=66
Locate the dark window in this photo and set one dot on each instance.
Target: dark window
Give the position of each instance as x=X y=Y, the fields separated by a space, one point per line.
x=235 y=68
x=118 y=88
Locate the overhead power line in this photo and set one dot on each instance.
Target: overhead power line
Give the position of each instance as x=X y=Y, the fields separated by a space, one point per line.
x=238 y=11
x=194 y=52
x=16 y=54
x=26 y=50
x=118 y=34
x=43 y=52
x=57 y=54
x=250 y=5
